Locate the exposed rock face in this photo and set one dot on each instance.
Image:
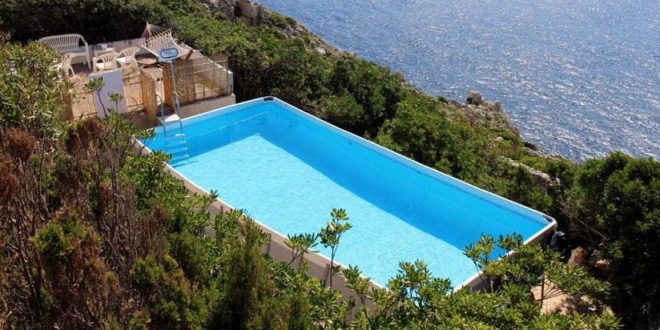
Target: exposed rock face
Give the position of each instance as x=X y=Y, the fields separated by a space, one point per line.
x=491 y=115
x=245 y=10
x=224 y=6
x=473 y=98
x=484 y=113
x=534 y=151
x=293 y=30
x=251 y=13
x=541 y=177
x=578 y=256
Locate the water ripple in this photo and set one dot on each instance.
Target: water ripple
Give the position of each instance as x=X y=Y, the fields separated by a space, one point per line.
x=578 y=77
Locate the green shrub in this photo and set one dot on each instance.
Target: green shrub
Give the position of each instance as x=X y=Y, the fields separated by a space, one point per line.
x=617 y=202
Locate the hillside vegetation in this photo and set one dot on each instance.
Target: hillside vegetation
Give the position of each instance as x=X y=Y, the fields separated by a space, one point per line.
x=87 y=204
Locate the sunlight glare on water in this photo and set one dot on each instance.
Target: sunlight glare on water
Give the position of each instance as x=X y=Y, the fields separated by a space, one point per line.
x=577 y=77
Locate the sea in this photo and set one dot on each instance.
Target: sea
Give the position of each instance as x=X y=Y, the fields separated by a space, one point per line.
x=578 y=77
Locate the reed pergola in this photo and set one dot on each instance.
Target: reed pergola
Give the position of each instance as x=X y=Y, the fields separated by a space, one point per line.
x=158 y=37
x=197 y=76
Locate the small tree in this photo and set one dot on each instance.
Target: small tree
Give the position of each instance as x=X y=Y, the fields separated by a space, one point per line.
x=480 y=253
x=364 y=291
x=95 y=85
x=331 y=234
x=30 y=94
x=616 y=204
x=299 y=245
x=70 y=252
x=244 y=277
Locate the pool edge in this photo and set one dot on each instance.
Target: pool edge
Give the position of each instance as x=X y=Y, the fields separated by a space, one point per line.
x=320 y=260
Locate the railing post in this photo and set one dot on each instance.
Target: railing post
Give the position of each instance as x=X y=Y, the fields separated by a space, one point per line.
x=230 y=82
x=270 y=241
x=328 y=274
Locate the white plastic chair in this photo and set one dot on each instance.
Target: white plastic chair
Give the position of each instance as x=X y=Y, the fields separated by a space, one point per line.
x=127 y=56
x=69 y=43
x=104 y=62
x=65 y=65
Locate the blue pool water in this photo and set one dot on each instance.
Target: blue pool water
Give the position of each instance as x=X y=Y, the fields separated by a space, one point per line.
x=289 y=169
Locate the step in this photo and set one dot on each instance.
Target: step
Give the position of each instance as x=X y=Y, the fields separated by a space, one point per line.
x=174 y=136
x=175 y=142
x=173 y=118
x=177 y=150
x=179 y=158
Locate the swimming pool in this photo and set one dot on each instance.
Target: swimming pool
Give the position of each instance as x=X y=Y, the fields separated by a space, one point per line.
x=288 y=169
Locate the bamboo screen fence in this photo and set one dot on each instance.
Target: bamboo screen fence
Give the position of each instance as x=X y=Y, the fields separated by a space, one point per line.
x=81 y=103
x=197 y=79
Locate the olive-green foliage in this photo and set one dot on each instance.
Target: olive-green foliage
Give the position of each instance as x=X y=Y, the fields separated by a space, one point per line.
x=330 y=236
x=255 y=292
x=422 y=132
x=523 y=188
x=619 y=197
x=24 y=70
x=172 y=302
x=63 y=245
x=246 y=286
x=32 y=19
x=342 y=110
x=97 y=21
x=372 y=87
x=417 y=300
x=528 y=265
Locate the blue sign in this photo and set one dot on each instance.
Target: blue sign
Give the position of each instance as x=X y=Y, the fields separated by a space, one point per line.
x=168 y=53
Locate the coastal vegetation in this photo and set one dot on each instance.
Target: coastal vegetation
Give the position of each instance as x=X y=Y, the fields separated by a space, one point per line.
x=93 y=235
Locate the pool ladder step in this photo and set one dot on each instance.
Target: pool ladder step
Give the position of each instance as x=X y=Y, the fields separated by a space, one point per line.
x=177 y=147
x=179 y=158
x=176 y=144
x=175 y=136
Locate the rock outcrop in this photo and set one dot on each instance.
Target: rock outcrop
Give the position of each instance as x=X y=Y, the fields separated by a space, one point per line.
x=579 y=256
x=485 y=114
x=533 y=150
x=245 y=10
x=541 y=178
x=491 y=115
x=473 y=98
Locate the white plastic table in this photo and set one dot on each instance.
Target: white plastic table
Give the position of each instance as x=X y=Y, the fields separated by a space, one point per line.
x=100 y=51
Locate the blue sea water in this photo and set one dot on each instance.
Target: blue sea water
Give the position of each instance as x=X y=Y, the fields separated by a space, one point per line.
x=578 y=77
x=288 y=170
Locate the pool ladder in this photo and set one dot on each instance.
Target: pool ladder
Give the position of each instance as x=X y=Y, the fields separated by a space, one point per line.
x=175 y=139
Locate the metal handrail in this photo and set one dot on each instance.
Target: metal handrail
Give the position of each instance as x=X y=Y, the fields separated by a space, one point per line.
x=177 y=106
x=161 y=105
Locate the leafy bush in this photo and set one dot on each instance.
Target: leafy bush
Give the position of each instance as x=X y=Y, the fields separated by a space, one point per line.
x=23 y=71
x=617 y=203
x=422 y=132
